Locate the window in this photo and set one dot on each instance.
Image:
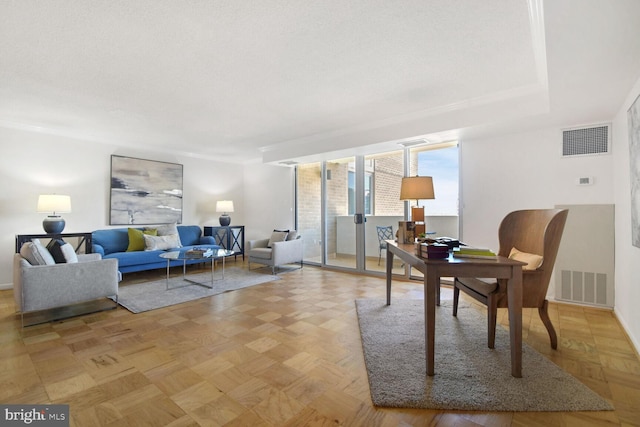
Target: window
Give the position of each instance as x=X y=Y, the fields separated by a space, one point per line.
x=368 y=193
x=440 y=162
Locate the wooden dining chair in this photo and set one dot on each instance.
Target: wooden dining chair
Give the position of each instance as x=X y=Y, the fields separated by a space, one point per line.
x=531 y=236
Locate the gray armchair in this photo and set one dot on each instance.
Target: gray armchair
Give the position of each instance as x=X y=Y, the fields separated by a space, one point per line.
x=285 y=252
x=42 y=287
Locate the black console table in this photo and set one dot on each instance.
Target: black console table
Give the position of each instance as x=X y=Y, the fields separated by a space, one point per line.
x=82 y=238
x=229 y=237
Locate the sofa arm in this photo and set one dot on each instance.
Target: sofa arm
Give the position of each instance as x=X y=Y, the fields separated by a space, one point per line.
x=208 y=240
x=89 y=257
x=287 y=252
x=97 y=249
x=262 y=243
x=40 y=287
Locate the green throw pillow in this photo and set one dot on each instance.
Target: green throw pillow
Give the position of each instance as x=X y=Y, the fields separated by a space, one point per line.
x=136 y=238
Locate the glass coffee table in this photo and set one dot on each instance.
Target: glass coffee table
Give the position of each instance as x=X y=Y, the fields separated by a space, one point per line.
x=185 y=256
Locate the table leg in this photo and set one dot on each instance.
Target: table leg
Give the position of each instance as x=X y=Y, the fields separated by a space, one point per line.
x=168 y=265
x=514 y=297
x=213 y=263
x=389 y=270
x=431 y=280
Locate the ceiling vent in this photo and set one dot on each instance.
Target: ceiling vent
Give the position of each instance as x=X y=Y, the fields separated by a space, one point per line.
x=288 y=163
x=586 y=140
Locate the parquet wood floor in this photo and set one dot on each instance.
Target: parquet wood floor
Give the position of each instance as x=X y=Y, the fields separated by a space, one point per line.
x=285 y=353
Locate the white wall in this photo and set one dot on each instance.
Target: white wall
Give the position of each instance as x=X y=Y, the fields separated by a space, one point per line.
x=627 y=270
x=269 y=200
x=524 y=171
x=33 y=163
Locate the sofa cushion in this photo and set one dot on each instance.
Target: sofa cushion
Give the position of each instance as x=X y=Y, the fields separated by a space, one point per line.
x=262 y=253
x=136 y=239
x=154 y=243
x=127 y=259
x=112 y=239
x=189 y=234
x=54 y=247
x=167 y=229
x=69 y=253
x=277 y=236
x=36 y=254
x=292 y=235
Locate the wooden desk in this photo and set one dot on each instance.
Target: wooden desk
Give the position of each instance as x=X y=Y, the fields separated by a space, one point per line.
x=434 y=269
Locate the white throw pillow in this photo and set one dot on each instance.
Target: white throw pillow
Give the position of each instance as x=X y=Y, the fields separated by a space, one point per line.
x=69 y=253
x=167 y=229
x=154 y=243
x=36 y=254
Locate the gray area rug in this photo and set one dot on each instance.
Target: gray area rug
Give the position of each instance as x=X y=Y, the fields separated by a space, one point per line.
x=468 y=374
x=152 y=295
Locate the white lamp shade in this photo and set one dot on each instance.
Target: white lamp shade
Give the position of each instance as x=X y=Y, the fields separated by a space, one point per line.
x=417 y=188
x=224 y=206
x=54 y=203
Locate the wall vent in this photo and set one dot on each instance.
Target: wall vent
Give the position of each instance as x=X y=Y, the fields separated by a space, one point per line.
x=586 y=140
x=584 y=269
x=584 y=287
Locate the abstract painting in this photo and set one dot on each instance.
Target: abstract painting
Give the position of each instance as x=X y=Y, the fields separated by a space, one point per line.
x=145 y=192
x=633 y=122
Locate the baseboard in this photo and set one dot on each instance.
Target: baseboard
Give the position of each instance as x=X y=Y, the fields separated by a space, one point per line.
x=6 y=286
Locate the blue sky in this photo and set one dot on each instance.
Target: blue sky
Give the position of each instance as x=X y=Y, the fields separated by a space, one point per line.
x=442 y=165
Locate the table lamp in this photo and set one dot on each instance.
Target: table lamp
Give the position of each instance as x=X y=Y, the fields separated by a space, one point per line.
x=224 y=206
x=53 y=204
x=418 y=188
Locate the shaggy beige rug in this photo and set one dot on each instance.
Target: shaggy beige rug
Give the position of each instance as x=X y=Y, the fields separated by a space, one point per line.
x=468 y=374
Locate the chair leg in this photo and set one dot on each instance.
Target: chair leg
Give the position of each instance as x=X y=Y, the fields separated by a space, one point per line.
x=456 y=297
x=544 y=315
x=379 y=256
x=492 y=315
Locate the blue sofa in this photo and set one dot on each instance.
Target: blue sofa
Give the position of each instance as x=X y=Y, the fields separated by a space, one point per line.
x=113 y=243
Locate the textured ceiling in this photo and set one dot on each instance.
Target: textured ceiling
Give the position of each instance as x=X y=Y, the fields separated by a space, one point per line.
x=283 y=79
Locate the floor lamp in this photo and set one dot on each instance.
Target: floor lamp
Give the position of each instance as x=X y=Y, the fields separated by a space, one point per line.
x=417 y=188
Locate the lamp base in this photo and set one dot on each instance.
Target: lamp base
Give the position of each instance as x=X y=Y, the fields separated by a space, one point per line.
x=53 y=224
x=225 y=220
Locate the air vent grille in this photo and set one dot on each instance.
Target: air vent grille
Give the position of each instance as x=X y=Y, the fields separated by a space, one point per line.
x=583 y=141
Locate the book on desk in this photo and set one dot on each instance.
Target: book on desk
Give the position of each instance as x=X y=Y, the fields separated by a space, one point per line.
x=433 y=251
x=473 y=252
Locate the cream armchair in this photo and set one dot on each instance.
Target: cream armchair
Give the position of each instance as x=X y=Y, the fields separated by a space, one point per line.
x=276 y=253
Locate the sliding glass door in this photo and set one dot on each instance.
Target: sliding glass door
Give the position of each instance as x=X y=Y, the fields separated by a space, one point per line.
x=346 y=205
x=343 y=213
x=383 y=208
x=309 y=203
